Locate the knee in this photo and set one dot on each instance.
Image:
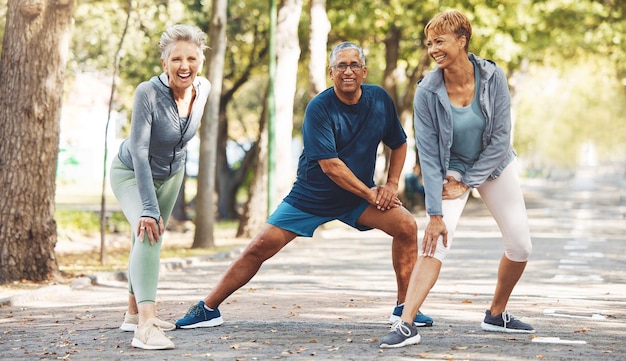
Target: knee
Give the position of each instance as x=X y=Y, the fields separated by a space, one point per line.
x=406 y=229
x=520 y=253
x=260 y=249
x=255 y=248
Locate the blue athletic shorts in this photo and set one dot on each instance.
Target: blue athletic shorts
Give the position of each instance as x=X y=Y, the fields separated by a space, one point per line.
x=301 y=223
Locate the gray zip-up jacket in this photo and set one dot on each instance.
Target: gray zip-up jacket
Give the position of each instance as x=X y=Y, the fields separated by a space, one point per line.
x=433 y=130
x=156 y=146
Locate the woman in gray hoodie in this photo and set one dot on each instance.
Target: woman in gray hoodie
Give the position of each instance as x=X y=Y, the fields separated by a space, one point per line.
x=147 y=174
x=463 y=133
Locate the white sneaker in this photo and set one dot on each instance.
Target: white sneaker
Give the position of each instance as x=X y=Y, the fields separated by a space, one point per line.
x=151 y=337
x=131 y=321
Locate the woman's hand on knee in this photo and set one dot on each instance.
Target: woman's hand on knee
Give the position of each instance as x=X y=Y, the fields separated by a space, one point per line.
x=436 y=228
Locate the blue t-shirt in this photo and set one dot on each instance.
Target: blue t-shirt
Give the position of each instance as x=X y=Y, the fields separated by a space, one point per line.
x=352 y=133
x=468 y=125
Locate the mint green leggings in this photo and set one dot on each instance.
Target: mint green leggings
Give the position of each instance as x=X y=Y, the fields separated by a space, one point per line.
x=143 y=263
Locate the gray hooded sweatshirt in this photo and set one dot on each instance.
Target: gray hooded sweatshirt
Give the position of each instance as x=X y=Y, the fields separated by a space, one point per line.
x=433 y=130
x=158 y=138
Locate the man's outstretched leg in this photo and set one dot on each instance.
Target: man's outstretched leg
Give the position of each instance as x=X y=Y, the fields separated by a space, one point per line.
x=266 y=244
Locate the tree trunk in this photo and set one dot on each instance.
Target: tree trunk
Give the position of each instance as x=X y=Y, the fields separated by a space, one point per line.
x=392 y=50
x=32 y=70
x=287 y=56
x=205 y=211
x=254 y=213
x=318 y=40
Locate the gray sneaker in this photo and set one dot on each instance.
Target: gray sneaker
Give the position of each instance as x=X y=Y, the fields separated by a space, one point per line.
x=401 y=334
x=505 y=323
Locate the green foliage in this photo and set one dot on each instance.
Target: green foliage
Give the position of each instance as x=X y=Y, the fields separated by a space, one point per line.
x=560 y=114
x=88 y=222
x=514 y=32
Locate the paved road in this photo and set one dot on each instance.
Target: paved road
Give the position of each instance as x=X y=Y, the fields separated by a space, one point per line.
x=328 y=297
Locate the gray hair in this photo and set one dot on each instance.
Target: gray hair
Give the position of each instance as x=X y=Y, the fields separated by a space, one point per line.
x=181 y=32
x=346 y=45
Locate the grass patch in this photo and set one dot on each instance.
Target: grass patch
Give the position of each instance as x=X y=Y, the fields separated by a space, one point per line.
x=86 y=223
x=85 y=263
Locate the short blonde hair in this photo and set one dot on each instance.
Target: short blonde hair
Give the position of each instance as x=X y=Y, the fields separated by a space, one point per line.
x=451 y=21
x=181 y=32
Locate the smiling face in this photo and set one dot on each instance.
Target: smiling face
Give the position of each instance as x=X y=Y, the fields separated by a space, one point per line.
x=182 y=65
x=447 y=37
x=445 y=48
x=347 y=83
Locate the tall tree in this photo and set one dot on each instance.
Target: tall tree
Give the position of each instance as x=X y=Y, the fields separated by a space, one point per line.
x=32 y=71
x=287 y=56
x=318 y=42
x=255 y=210
x=205 y=210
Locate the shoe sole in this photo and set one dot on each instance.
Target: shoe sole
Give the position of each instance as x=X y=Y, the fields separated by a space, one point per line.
x=409 y=341
x=393 y=319
x=139 y=344
x=494 y=328
x=211 y=323
x=131 y=327
x=128 y=327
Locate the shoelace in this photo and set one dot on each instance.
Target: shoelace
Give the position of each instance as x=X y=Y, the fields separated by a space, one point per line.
x=195 y=310
x=400 y=327
x=506 y=317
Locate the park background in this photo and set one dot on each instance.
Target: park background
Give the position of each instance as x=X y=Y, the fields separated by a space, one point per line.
x=564 y=60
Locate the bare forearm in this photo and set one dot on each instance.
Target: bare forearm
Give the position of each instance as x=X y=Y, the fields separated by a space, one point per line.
x=396 y=164
x=339 y=173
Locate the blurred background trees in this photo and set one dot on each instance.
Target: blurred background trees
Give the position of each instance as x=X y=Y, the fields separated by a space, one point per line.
x=566 y=62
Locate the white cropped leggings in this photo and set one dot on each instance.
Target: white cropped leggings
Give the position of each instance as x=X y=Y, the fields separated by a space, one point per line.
x=143 y=263
x=504 y=199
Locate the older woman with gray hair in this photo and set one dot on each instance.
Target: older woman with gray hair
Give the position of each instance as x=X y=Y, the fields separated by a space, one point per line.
x=147 y=174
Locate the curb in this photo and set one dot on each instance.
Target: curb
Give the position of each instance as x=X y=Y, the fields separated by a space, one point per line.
x=100 y=278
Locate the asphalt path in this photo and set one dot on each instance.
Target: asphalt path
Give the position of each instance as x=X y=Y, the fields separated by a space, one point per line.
x=329 y=297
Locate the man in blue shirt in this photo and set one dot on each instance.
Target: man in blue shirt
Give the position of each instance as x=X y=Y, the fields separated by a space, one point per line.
x=342 y=129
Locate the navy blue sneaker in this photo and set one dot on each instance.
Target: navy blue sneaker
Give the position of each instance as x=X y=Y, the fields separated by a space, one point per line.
x=421 y=320
x=199 y=316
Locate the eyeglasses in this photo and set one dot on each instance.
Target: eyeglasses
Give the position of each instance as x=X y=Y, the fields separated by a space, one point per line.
x=343 y=67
